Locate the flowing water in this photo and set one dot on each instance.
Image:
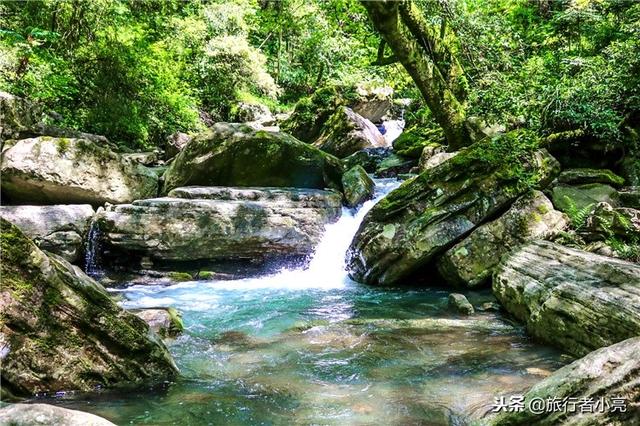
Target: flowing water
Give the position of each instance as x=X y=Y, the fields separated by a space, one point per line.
x=310 y=346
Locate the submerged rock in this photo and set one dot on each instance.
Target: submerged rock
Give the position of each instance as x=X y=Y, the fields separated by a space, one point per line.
x=215 y=223
x=460 y=303
x=59 y=229
x=49 y=170
x=583 y=176
x=237 y=155
x=576 y=300
x=571 y=198
x=429 y=213
x=347 y=132
x=471 y=262
x=45 y=414
x=166 y=322
x=60 y=330
x=609 y=376
x=358 y=186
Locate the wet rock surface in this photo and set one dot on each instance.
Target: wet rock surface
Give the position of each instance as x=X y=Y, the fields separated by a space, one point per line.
x=44 y=414
x=358 y=186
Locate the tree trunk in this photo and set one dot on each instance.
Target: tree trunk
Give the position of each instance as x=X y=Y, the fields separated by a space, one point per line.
x=430 y=60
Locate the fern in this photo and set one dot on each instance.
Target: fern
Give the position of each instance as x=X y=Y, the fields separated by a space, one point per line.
x=578 y=216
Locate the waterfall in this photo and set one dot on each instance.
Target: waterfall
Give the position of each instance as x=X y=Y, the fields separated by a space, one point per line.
x=92 y=251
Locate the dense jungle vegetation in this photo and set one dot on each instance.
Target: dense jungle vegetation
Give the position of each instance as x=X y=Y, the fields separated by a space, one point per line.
x=138 y=70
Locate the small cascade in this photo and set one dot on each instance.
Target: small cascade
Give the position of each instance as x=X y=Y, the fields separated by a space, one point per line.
x=92 y=251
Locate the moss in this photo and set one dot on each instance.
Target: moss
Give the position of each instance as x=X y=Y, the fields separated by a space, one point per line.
x=63 y=145
x=206 y=275
x=180 y=276
x=412 y=141
x=16 y=260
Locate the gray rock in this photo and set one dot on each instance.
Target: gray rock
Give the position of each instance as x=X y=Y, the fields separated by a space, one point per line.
x=47 y=415
x=60 y=330
x=166 y=322
x=428 y=160
x=144 y=158
x=583 y=176
x=221 y=223
x=49 y=170
x=346 y=132
x=460 y=304
x=369 y=158
x=244 y=112
x=576 y=300
x=471 y=262
x=567 y=198
x=611 y=373
x=358 y=186
x=175 y=143
x=373 y=103
x=428 y=214
x=59 y=229
x=237 y=155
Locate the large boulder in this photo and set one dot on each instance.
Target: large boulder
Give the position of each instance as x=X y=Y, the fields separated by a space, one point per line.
x=583 y=176
x=237 y=155
x=603 y=388
x=568 y=198
x=358 y=186
x=45 y=414
x=213 y=223
x=471 y=262
x=347 y=132
x=47 y=170
x=60 y=330
x=428 y=214
x=59 y=229
x=576 y=300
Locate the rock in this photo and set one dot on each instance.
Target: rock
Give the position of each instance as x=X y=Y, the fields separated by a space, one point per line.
x=166 y=322
x=630 y=169
x=582 y=176
x=358 y=186
x=45 y=414
x=460 y=304
x=611 y=373
x=311 y=113
x=175 y=143
x=606 y=221
x=567 y=198
x=413 y=141
x=213 y=223
x=471 y=262
x=576 y=300
x=394 y=165
x=630 y=197
x=368 y=158
x=373 y=103
x=48 y=170
x=144 y=158
x=244 y=112
x=428 y=214
x=62 y=331
x=59 y=229
x=346 y=132
x=430 y=160
x=236 y=155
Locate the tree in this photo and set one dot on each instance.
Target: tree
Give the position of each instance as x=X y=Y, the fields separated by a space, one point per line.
x=429 y=54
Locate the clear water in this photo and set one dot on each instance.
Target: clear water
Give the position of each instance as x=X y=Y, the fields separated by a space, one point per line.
x=312 y=347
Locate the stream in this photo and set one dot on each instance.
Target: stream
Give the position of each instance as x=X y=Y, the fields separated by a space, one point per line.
x=310 y=346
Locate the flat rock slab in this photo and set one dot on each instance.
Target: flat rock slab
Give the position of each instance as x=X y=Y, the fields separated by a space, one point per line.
x=221 y=224
x=59 y=229
x=576 y=300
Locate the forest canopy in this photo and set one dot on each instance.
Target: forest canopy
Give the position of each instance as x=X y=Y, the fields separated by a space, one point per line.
x=139 y=70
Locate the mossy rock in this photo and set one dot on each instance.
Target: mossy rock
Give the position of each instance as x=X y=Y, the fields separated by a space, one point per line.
x=63 y=330
x=412 y=142
x=180 y=276
x=237 y=155
x=358 y=186
x=568 y=198
x=584 y=176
